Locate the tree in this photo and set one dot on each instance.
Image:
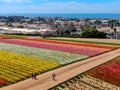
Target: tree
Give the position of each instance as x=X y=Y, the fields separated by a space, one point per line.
x=73 y=28
x=92 y=33
x=98 y=22
x=67 y=32
x=114 y=23
x=115 y=32
x=9 y=25
x=21 y=26
x=112 y=26
x=83 y=29
x=93 y=28
x=60 y=32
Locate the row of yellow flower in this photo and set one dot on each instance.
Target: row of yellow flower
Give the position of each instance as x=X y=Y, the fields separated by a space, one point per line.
x=15 y=67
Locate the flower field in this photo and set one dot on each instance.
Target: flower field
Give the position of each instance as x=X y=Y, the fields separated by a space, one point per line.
x=19 y=58
x=86 y=82
x=82 y=49
x=2 y=82
x=69 y=43
x=11 y=36
x=104 y=77
x=2 y=37
x=44 y=54
x=15 y=67
x=5 y=37
x=109 y=72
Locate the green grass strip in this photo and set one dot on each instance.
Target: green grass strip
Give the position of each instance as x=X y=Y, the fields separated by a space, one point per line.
x=13 y=36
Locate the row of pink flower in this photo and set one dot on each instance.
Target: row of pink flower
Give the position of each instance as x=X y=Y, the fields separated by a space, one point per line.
x=88 y=51
x=71 y=43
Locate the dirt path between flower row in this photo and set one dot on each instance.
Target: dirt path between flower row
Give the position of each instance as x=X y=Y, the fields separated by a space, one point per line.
x=45 y=81
x=93 y=40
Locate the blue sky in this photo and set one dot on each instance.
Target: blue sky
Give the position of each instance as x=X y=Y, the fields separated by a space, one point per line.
x=59 y=6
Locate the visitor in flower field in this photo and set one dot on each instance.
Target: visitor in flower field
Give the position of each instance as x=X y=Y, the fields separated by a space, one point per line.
x=32 y=76
x=53 y=76
x=35 y=76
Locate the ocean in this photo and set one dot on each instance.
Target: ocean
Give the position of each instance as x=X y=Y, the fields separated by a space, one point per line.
x=110 y=16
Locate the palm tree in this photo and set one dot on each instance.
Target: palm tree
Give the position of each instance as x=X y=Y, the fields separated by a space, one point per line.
x=115 y=32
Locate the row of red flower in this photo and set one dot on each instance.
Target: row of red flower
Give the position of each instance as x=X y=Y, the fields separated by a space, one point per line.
x=2 y=82
x=1 y=37
x=109 y=72
x=77 y=44
x=81 y=49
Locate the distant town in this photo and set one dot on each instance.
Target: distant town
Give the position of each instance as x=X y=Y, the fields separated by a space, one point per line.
x=59 y=26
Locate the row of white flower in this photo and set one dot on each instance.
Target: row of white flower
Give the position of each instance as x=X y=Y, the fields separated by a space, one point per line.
x=87 y=82
x=44 y=54
x=98 y=83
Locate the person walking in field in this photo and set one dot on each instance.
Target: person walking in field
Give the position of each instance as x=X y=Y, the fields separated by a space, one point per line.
x=53 y=76
x=35 y=76
x=32 y=76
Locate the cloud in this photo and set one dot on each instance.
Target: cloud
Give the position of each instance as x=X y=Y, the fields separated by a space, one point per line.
x=63 y=7
x=79 y=7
